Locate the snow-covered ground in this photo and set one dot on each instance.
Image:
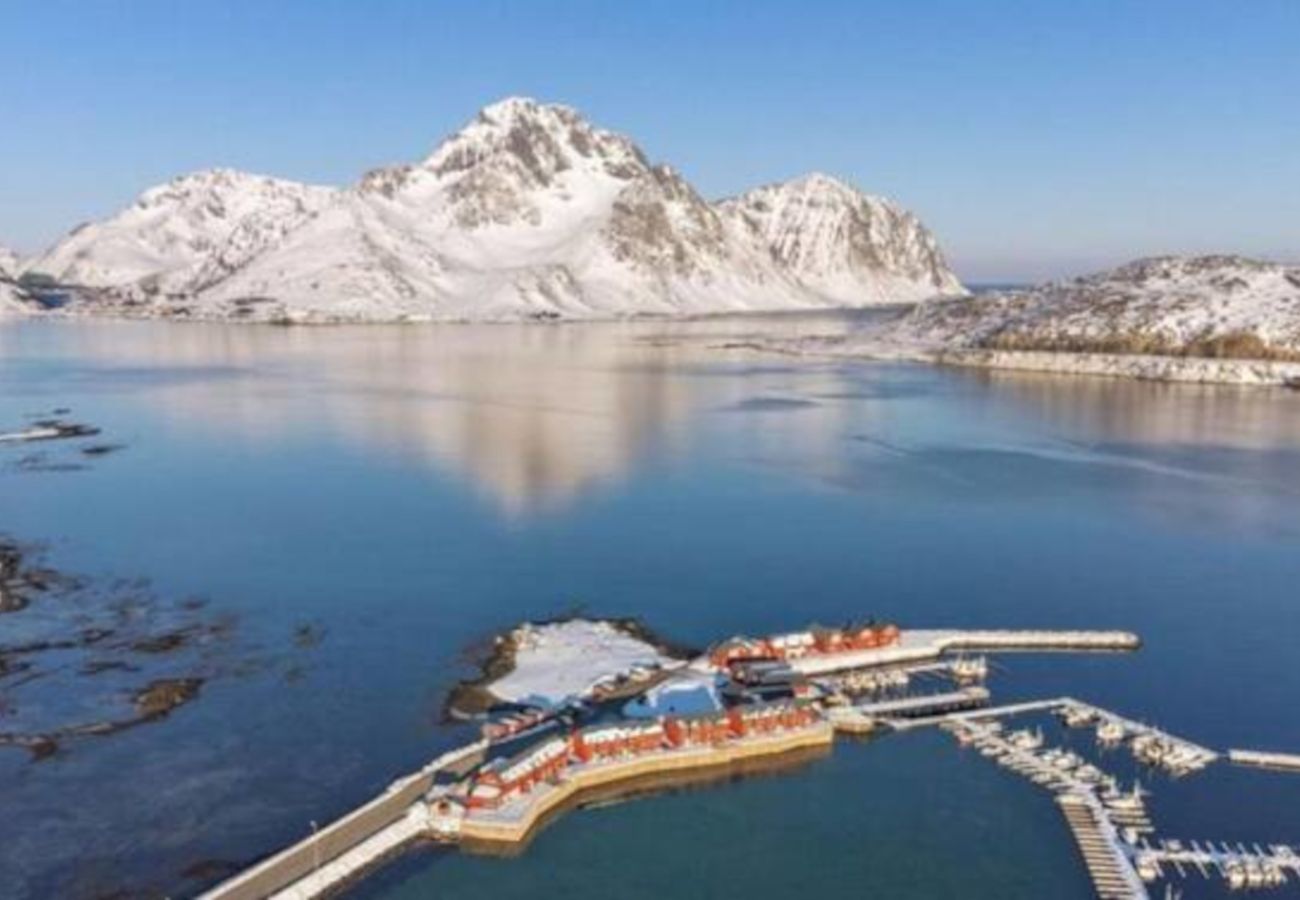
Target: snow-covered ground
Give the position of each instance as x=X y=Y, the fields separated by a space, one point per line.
x=529 y=211
x=1196 y=319
x=564 y=659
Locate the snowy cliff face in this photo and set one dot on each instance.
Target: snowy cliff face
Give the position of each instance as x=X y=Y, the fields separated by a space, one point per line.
x=528 y=211
x=843 y=244
x=1212 y=306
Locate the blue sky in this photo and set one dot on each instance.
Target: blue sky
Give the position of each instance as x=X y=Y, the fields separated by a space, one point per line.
x=1038 y=138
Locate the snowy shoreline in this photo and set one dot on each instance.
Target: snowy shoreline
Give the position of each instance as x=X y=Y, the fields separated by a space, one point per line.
x=1178 y=369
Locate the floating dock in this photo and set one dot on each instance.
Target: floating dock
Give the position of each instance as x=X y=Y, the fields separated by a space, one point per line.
x=1113 y=874
x=1240 y=867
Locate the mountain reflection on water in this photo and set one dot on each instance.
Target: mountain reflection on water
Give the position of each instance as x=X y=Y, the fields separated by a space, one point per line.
x=538 y=416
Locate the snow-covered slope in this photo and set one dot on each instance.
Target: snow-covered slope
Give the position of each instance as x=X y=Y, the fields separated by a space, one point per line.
x=1206 y=306
x=528 y=211
x=843 y=244
x=9 y=262
x=181 y=236
x=1200 y=319
x=11 y=298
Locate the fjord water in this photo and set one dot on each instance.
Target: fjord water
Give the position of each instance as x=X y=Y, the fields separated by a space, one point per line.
x=409 y=491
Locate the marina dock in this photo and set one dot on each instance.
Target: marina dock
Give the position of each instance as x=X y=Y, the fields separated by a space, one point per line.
x=1103 y=853
x=925 y=705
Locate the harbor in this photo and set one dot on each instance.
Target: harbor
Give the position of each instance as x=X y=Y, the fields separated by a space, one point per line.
x=771 y=703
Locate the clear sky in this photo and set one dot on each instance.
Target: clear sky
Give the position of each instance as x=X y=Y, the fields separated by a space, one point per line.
x=1036 y=137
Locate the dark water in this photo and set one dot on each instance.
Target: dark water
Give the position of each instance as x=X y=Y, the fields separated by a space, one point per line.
x=406 y=492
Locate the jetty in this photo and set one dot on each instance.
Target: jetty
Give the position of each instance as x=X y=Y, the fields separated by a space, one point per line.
x=925 y=705
x=1103 y=853
x=1282 y=762
x=914 y=645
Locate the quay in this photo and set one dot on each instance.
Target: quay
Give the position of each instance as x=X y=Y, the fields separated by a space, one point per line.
x=515 y=821
x=914 y=645
x=1282 y=762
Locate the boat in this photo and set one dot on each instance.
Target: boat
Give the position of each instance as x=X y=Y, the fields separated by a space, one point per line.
x=1075 y=716
x=1110 y=732
x=966 y=671
x=1147 y=868
x=1025 y=739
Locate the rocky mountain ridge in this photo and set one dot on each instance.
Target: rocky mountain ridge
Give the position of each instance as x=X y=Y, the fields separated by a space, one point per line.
x=529 y=211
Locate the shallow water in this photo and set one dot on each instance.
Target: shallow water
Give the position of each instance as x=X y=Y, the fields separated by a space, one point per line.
x=408 y=491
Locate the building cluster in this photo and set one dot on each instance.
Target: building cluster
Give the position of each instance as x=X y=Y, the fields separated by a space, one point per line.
x=812 y=642
x=503 y=779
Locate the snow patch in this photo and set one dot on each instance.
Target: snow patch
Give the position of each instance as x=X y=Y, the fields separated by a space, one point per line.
x=560 y=660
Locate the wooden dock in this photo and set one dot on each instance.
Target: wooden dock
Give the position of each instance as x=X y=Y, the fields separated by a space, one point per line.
x=1112 y=872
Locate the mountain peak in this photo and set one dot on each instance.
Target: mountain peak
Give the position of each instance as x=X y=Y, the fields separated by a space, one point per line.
x=511 y=109
x=843 y=243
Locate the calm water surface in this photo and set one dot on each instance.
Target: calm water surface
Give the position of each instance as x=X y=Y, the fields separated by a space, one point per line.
x=408 y=491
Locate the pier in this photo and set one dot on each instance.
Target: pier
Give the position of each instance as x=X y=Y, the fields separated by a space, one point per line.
x=1239 y=866
x=916 y=645
x=339 y=852
x=1108 y=863
x=925 y=704
x=1282 y=762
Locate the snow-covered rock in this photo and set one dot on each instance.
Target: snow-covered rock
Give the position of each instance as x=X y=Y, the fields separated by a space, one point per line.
x=1221 y=319
x=528 y=211
x=1204 y=306
x=846 y=245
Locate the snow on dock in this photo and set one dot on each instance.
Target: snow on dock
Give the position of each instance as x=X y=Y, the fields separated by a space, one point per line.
x=1286 y=762
x=925 y=644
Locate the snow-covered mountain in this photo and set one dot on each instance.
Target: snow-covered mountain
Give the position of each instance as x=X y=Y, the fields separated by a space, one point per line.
x=182 y=236
x=1202 y=306
x=845 y=245
x=9 y=262
x=11 y=298
x=528 y=211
